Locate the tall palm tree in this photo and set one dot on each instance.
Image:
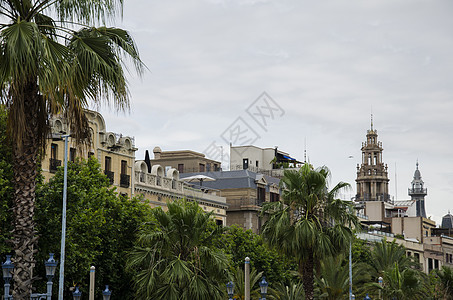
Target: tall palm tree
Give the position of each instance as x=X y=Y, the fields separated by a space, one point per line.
x=54 y=60
x=309 y=222
x=175 y=259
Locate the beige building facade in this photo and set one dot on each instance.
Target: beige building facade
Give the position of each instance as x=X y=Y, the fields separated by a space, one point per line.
x=115 y=152
x=185 y=161
x=160 y=186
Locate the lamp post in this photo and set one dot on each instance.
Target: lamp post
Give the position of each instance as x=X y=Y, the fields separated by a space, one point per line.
x=7 y=270
x=263 y=288
x=76 y=295
x=63 y=219
x=106 y=293
x=230 y=290
x=51 y=266
x=380 y=281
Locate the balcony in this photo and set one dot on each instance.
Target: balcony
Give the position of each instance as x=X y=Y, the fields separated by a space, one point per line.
x=125 y=180
x=110 y=175
x=245 y=204
x=54 y=164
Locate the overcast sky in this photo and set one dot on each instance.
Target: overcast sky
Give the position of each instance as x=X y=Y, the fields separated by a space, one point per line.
x=326 y=65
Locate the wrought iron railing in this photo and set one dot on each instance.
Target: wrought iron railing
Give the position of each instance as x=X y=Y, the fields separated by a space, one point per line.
x=54 y=164
x=125 y=180
x=110 y=175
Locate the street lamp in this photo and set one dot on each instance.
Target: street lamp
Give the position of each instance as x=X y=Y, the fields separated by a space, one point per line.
x=230 y=290
x=367 y=297
x=352 y=296
x=76 y=295
x=7 y=269
x=50 y=265
x=263 y=288
x=106 y=293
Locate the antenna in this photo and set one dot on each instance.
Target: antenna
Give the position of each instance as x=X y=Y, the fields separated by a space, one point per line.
x=396 y=185
x=305 y=150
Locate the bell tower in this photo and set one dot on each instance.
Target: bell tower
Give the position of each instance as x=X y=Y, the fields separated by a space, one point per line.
x=372 y=177
x=418 y=193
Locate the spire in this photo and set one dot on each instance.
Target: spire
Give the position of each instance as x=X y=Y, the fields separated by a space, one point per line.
x=417 y=164
x=371 y=121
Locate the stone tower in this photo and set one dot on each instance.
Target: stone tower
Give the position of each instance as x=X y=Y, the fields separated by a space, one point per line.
x=418 y=193
x=372 y=177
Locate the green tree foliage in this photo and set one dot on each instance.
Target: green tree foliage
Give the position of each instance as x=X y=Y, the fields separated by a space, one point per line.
x=445 y=276
x=238 y=244
x=238 y=278
x=175 y=257
x=291 y=291
x=53 y=59
x=6 y=186
x=309 y=222
x=332 y=282
x=101 y=228
x=384 y=256
x=403 y=285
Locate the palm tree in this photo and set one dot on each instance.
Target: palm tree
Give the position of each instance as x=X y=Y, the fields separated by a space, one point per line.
x=176 y=259
x=332 y=282
x=402 y=285
x=54 y=60
x=292 y=291
x=384 y=256
x=445 y=276
x=309 y=223
x=239 y=283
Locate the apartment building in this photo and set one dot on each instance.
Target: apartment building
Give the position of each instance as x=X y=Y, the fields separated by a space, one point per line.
x=115 y=152
x=161 y=185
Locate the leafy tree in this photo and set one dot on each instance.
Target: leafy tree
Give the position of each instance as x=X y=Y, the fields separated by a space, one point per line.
x=53 y=59
x=309 y=223
x=101 y=228
x=6 y=186
x=175 y=257
x=238 y=244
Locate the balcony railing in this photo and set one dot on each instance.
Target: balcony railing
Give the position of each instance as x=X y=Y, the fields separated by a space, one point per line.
x=54 y=164
x=110 y=175
x=244 y=204
x=125 y=180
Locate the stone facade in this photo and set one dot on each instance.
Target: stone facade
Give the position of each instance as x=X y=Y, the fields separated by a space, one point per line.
x=115 y=152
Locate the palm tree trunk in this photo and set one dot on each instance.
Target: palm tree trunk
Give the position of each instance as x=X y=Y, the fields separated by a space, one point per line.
x=25 y=170
x=306 y=269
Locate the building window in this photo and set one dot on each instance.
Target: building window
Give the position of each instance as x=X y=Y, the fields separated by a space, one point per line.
x=90 y=154
x=216 y=167
x=181 y=168
x=219 y=222
x=256 y=164
x=124 y=178
x=261 y=195
x=201 y=167
x=108 y=169
x=245 y=164
x=274 y=197
x=208 y=167
x=54 y=162
x=417 y=257
x=72 y=154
